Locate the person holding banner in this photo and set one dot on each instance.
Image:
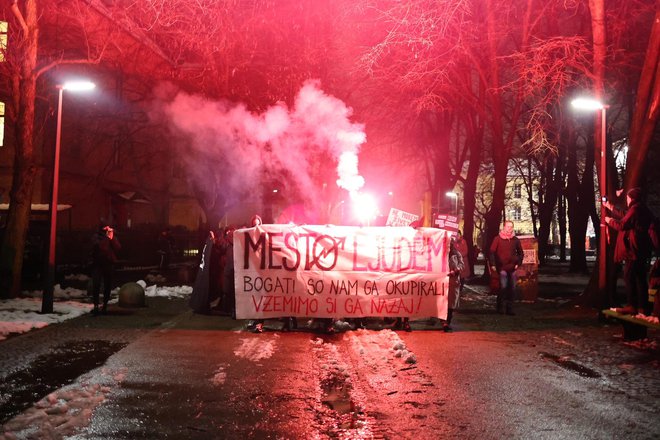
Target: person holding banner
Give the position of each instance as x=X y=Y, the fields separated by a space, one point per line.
x=506 y=255
x=228 y=289
x=402 y=323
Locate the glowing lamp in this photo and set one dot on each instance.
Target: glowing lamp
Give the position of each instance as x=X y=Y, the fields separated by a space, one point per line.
x=365 y=207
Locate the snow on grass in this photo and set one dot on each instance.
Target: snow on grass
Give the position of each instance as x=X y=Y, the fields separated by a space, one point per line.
x=20 y=315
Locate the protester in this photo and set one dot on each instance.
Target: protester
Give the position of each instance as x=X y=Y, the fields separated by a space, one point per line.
x=506 y=255
x=456 y=265
x=462 y=248
x=104 y=256
x=228 y=290
x=633 y=248
x=654 y=286
x=199 y=300
x=165 y=248
x=257 y=325
x=216 y=271
x=402 y=323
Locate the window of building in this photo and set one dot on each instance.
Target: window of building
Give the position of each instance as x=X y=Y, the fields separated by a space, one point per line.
x=516 y=213
x=3 y=39
x=517 y=191
x=3 y=47
x=2 y=124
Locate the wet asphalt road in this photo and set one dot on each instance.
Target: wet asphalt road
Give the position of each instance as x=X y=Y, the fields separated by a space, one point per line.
x=551 y=372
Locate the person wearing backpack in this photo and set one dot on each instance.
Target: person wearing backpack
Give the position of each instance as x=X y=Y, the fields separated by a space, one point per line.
x=633 y=248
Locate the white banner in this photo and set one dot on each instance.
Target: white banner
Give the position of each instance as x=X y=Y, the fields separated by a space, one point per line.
x=340 y=271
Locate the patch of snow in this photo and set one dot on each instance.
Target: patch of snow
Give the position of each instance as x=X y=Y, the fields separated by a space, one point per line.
x=64 y=412
x=219 y=376
x=24 y=314
x=20 y=315
x=258 y=348
x=165 y=291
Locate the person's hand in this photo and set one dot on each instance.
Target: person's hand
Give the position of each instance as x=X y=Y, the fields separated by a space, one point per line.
x=110 y=233
x=608 y=220
x=212 y=235
x=493 y=268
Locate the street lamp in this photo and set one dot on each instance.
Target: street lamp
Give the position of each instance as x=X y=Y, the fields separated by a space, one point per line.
x=74 y=86
x=591 y=104
x=455 y=197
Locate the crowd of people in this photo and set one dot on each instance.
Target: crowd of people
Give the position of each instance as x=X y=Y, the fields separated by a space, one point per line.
x=214 y=288
x=633 y=249
x=214 y=285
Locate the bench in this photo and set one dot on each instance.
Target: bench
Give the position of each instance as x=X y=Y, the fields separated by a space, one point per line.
x=633 y=328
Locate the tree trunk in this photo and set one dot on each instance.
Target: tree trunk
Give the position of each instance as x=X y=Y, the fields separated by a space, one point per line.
x=592 y=296
x=20 y=197
x=561 y=222
x=470 y=191
x=580 y=198
x=646 y=112
x=553 y=176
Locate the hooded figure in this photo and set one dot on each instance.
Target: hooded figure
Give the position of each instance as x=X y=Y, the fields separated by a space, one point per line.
x=105 y=247
x=200 y=300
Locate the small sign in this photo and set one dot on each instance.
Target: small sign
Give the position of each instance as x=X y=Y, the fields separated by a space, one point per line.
x=400 y=218
x=447 y=222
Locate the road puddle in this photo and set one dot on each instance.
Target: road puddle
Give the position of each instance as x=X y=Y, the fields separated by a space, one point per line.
x=570 y=365
x=50 y=372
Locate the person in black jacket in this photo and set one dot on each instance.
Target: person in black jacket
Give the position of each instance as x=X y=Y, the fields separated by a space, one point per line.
x=104 y=257
x=633 y=248
x=506 y=255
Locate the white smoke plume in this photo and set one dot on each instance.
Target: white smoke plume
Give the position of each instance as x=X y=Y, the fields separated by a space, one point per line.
x=249 y=144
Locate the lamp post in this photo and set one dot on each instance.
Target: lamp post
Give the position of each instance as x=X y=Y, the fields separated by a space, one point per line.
x=455 y=197
x=591 y=104
x=47 y=300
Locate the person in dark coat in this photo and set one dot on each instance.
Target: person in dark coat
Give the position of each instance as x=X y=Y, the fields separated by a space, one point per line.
x=456 y=265
x=199 y=299
x=104 y=256
x=166 y=245
x=228 y=290
x=633 y=248
x=506 y=255
x=462 y=248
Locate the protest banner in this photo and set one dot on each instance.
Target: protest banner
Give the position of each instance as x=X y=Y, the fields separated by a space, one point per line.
x=340 y=271
x=447 y=222
x=397 y=217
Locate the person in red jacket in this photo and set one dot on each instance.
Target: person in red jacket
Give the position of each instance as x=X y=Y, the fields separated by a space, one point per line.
x=506 y=255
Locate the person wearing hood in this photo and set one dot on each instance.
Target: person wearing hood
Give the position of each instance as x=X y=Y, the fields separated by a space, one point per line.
x=633 y=248
x=105 y=247
x=506 y=255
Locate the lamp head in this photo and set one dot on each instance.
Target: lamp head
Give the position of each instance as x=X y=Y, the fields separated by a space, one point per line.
x=78 y=86
x=587 y=104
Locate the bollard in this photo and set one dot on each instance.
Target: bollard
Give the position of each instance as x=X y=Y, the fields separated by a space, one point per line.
x=132 y=295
